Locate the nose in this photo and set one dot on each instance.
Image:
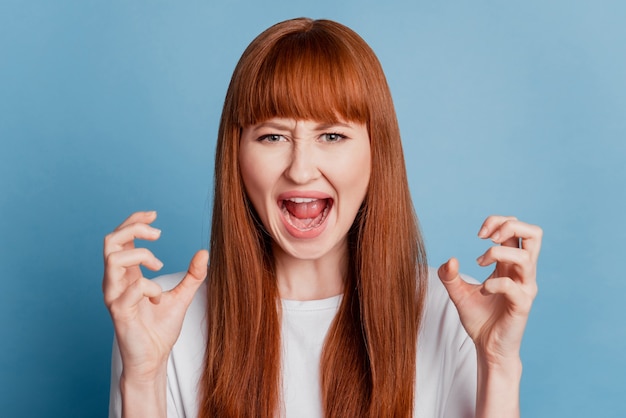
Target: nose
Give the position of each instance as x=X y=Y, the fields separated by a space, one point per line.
x=303 y=165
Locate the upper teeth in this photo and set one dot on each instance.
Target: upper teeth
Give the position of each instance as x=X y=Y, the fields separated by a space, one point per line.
x=301 y=200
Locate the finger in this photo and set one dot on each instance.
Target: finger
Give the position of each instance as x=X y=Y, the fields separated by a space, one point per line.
x=135 y=257
x=121 y=308
x=116 y=240
x=510 y=232
x=146 y=217
x=520 y=260
x=519 y=299
x=195 y=276
x=492 y=223
x=457 y=288
x=115 y=280
x=507 y=255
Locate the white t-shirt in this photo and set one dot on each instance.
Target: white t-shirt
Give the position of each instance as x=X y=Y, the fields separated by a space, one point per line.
x=446 y=359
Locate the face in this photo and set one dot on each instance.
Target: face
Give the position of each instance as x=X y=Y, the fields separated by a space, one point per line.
x=307 y=181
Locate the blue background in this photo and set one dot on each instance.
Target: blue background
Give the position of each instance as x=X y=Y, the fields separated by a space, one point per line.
x=505 y=107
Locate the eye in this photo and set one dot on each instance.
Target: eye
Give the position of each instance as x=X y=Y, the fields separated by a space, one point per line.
x=271 y=138
x=333 y=137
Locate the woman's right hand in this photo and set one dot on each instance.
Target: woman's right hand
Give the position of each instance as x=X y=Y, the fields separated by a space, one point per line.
x=147 y=320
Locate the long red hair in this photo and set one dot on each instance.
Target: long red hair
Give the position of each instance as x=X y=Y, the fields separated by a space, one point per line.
x=315 y=70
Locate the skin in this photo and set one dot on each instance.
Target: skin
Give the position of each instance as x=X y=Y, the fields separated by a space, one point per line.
x=305 y=158
x=148 y=321
x=495 y=312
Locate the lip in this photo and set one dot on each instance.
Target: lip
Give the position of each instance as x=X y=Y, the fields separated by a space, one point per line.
x=309 y=194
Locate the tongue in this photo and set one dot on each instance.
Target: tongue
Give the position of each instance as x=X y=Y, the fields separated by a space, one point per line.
x=306 y=210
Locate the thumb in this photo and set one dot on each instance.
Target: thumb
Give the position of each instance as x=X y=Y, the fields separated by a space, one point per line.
x=195 y=276
x=449 y=275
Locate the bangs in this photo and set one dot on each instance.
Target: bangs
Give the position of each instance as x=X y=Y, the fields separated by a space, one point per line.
x=308 y=75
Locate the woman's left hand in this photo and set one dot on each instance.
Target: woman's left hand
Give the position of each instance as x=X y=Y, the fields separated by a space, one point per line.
x=495 y=312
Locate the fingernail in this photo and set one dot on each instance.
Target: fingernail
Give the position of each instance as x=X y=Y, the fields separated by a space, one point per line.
x=480 y=259
x=495 y=237
x=156 y=231
x=159 y=264
x=483 y=232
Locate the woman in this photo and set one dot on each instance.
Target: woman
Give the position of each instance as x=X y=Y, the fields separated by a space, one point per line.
x=318 y=300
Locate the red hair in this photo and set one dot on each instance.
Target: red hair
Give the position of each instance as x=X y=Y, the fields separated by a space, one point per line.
x=315 y=70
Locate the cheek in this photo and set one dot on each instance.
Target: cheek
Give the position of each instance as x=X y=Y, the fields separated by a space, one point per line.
x=360 y=171
x=250 y=170
x=351 y=176
x=258 y=177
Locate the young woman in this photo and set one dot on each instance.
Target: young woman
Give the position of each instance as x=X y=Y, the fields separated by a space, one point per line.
x=318 y=300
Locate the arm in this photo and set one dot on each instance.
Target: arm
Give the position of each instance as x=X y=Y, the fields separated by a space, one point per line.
x=117 y=387
x=495 y=313
x=147 y=321
x=498 y=387
x=144 y=398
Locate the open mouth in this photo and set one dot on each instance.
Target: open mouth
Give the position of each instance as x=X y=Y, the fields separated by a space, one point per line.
x=305 y=214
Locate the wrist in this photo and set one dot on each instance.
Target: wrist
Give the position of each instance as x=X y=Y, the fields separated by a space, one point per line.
x=143 y=378
x=498 y=387
x=503 y=367
x=144 y=395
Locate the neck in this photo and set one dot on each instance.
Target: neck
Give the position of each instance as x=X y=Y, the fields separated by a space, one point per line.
x=311 y=279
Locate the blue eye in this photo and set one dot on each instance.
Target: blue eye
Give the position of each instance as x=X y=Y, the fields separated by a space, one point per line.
x=333 y=137
x=271 y=138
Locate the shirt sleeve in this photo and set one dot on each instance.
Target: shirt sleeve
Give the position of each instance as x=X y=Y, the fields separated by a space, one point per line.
x=446 y=365
x=461 y=401
x=115 y=396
